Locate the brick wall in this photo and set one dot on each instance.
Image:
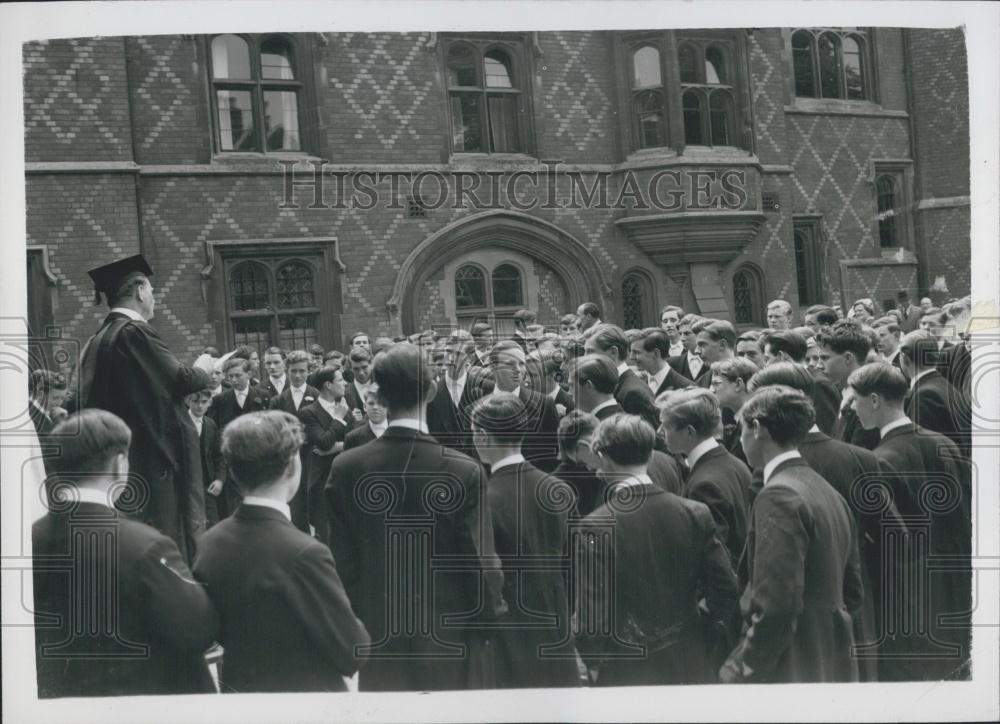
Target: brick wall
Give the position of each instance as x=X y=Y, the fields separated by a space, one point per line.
x=76 y=101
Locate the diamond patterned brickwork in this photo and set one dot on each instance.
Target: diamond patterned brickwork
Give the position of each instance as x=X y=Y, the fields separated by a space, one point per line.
x=941 y=95
x=768 y=80
x=169 y=93
x=831 y=161
x=76 y=101
x=383 y=103
x=84 y=221
x=947 y=247
x=878 y=283
x=553 y=301
x=576 y=109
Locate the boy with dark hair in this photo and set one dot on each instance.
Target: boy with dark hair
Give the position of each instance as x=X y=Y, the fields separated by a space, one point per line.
x=841 y=351
x=639 y=618
x=274 y=364
x=805 y=578
x=287 y=624
x=153 y=639
x=928 y=469
x=298 y=395
x=213 y=471
x=529 y=527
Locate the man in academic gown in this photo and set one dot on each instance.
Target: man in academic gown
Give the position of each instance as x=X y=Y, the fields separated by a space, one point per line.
x=643 y=560
x=931 y=486
x=286 y=622
x=117 y=611
x=405 y=487
x=529 y=510
x=802 y=551
x=127 y=369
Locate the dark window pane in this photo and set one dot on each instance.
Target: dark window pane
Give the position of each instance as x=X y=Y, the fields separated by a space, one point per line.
x=230 y=57
x=802 y=268
x=276 y=59
x=687 y=59
x=496 y=68
x=649 y=111
x=470 y=287
x=715 y=66
x=462 y=66
x=720 y=106
x=646 y=68
x=632 y=302
x=693 y=135
x=236 y=131
x=885 y=189
x=294 y=284
x=507 y=286
x=281 y=120
x=829 y=70
x=743 y=293
x=297 y=331
x=253 y=331
x=805 y=81
x=503 y=124
x=465 y=123
x=853 y=76
x=248 y=287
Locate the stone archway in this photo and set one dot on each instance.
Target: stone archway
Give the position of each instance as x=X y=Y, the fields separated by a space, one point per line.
x=565 y=254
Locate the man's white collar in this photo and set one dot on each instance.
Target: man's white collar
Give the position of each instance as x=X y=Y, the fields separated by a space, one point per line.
x=776 y=461
x=130 y=313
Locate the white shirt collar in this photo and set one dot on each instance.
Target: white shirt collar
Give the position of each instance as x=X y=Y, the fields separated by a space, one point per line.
x=241 y=394
x=776 y=461
x=901 y=422
x=622 y=368
x=656 y=380
x=410 y=423
x=924 y=373
x=89 y=495
x=269 y=503
x=699 y=450
x=459 y=382
x=815 y=428
x=378 y=428
x=606 y=403
x=515 y=459
x=301 y=390
x=516 y=391
x=130 y=313
x=277 y=382
x=676 y=349
x=331 y=408
x=632 y=480
x=196 y=420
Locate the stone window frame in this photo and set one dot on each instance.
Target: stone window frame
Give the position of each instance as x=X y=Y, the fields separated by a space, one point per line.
x=901 y=172
x=668 y=42
x=321 y=253
x=488 y=260
x=647 y=300
x=304 y=84
x=521 y=48
x=758 y=305
x=808 y=228
x=868 y=42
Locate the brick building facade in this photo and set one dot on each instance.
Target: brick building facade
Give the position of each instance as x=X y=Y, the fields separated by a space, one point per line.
x=814 y=165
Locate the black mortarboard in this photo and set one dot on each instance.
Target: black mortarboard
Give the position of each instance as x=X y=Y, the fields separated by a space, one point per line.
x=109 y=278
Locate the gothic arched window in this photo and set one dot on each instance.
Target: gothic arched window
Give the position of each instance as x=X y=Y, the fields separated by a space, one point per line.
x=748 y=296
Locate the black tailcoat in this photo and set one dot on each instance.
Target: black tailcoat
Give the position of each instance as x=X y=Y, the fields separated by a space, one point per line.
x=931 y=482
x=287 y=624
x=322 y=432
x=933 y=403
x=636 y=398
x=642 y=561
x=722 y=482
x=152 y=621
x=404 y=507
x=805 y=578
x=530 y=509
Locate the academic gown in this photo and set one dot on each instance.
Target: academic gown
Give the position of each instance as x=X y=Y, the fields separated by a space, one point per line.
x=127 y=369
